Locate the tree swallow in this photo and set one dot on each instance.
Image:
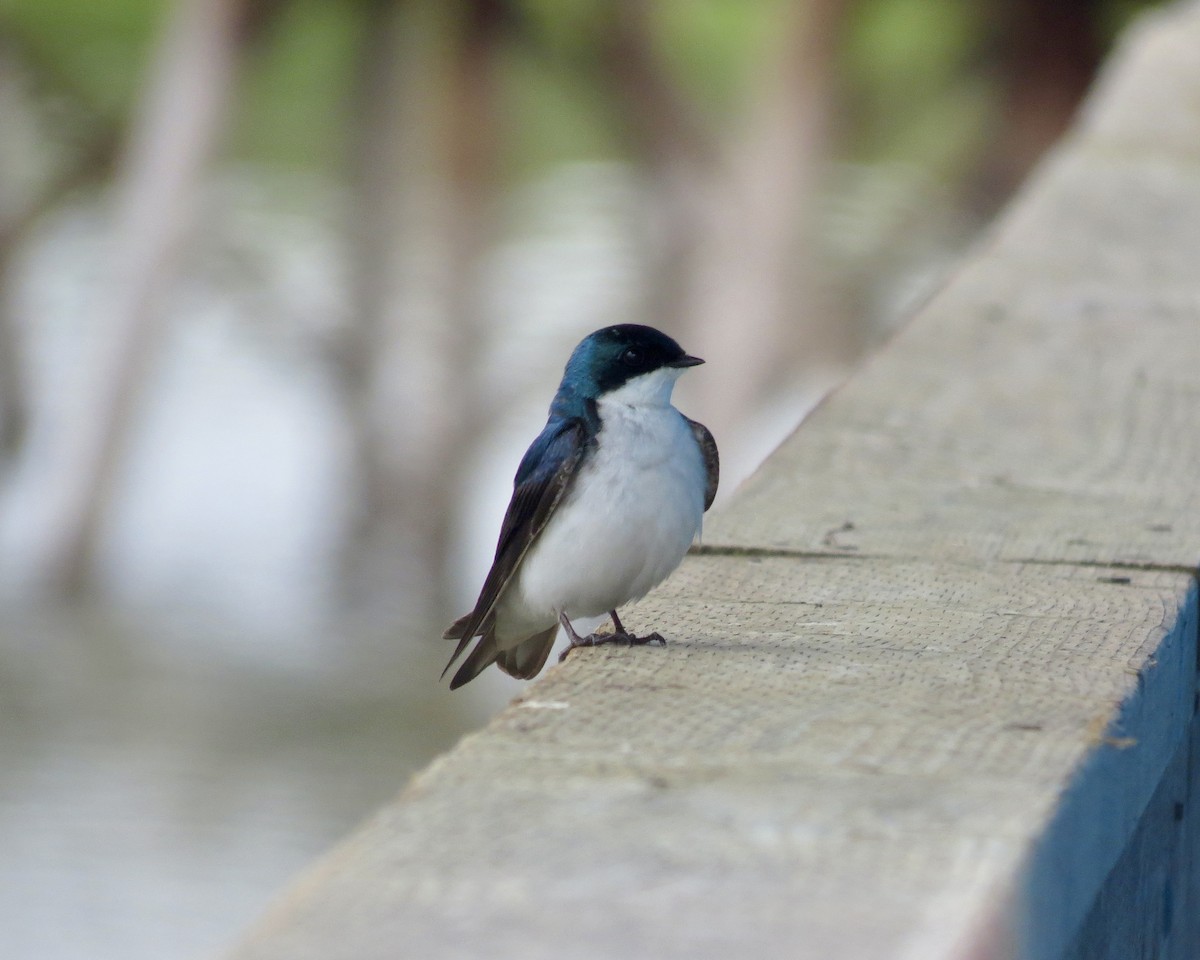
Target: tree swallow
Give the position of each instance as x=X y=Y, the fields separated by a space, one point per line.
x=605 y=503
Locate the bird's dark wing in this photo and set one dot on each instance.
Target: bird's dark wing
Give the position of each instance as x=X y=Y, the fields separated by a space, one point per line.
x=712 y=462
x=542 y=480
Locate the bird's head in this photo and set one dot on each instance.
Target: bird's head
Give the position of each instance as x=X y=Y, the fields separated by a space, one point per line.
x=629 y=362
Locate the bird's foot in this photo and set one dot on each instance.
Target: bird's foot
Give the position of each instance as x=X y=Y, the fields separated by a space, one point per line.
x=633 y=641
x=622 y=638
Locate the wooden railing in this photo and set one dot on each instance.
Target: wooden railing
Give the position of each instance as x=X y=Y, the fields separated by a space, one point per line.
x=931 y=690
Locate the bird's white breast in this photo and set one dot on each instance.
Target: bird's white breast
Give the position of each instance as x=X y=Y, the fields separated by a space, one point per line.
x=634 y=509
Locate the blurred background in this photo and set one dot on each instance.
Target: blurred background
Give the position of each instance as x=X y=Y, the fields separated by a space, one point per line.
x=285 y=289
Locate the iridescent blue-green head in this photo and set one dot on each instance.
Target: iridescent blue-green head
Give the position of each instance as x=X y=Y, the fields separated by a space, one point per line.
x=638 y=360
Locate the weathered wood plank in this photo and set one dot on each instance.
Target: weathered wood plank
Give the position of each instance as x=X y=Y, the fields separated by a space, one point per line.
x=1149 y=907
x=833 y=759
x=1099 y=815
x=1016 y=420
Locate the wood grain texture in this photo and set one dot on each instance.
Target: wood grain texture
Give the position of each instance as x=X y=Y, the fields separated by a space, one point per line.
x=830 y=759
x=931 y=692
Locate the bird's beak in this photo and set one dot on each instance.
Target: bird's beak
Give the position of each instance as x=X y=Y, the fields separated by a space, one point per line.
x=686 y=361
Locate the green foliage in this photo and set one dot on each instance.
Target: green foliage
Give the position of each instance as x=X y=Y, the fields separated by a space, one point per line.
x=713 y=46
x=904 y=64
x=564 y=29
x=1116 y=14
x=909 y=88
x=552 y=115
x=92 y=51
x=294 y=100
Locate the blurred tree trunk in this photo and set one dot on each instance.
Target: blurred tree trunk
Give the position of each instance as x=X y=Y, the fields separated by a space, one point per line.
x=737 y=205
x=381 y=571
x=426 y=187
x=1045 y=56
x=14 y=411
x=753 y=300
x=84 y=168
x=670 y=136
x=184 y=105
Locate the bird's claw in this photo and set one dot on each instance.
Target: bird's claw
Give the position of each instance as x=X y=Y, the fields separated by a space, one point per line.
x=624 y=639
x=589 y=641
x=629 y=640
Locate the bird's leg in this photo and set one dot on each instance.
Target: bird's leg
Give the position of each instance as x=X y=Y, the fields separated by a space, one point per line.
x=576 y=639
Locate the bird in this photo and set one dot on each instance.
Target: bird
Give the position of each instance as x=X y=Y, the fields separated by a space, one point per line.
x=605 y=504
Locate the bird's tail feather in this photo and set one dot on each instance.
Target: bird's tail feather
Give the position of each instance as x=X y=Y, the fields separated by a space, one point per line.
x=458 y=627
x=478 y=660
x=461 y=631
x=522 y=661
x=527 y=658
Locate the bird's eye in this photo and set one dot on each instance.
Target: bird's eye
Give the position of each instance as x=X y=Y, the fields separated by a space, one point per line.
x=633 y=357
